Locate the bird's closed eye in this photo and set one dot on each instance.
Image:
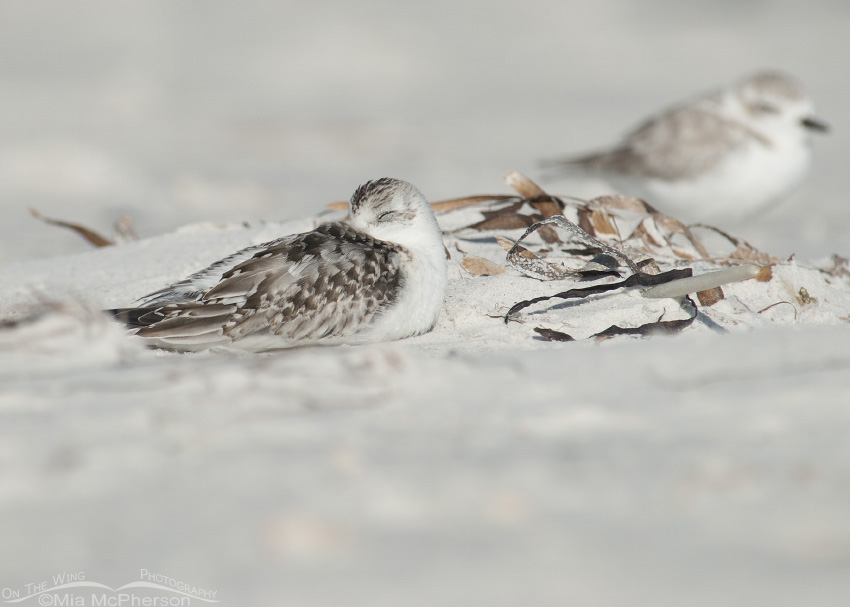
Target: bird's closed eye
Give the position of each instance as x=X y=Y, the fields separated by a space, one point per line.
x=765 y=108
x=386 y=216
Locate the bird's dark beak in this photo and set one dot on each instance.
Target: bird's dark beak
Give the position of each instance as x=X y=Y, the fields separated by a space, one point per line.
x=813 y=124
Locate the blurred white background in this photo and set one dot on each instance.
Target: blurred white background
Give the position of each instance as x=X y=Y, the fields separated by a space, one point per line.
x=175 y=112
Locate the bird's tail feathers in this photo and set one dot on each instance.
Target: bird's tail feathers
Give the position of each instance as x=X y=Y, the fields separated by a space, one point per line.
x=136 y=318
x=595 y=162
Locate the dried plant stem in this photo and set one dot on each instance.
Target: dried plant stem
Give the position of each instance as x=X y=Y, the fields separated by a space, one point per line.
x=703 y=282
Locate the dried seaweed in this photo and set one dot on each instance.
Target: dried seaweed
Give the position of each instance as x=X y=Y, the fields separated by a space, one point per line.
x=544 y=270
x=638 y=279
x=552 y=335
x=659 y=327
x=508 y=218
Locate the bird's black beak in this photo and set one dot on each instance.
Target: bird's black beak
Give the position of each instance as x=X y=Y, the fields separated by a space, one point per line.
x=813 y=124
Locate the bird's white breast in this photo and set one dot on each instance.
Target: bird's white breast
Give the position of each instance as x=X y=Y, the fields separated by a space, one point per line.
x=747 y=180
x=423 y=288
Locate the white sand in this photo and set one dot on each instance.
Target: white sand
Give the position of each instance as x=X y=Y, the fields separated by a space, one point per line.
x=472 y=464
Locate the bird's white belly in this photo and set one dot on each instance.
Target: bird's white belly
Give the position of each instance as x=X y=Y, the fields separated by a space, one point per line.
x=418 y=305
x=744 y=183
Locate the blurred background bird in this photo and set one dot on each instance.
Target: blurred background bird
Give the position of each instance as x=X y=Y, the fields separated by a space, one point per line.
x=719 y=157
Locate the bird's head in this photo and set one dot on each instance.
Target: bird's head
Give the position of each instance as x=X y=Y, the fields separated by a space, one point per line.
x=773 y=102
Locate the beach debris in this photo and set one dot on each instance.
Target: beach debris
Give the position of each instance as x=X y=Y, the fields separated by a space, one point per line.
x=703 y=282
x=612 y=236
x=639 y=279
x=123 y=230
x=543 y=270
x=840 y=267
x=635 y=280
x=804 y=298
x=709 y=297
x=91 y=236
x=478 y=266
x=659 y=327
x=442 y=206
x=779 y=303
x=553 y=335
x=507 y=244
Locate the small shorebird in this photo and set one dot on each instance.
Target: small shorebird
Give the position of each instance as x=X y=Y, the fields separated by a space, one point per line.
x=721 y=156
x=380 y=276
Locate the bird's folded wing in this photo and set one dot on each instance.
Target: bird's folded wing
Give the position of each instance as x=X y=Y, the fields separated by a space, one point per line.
x=306 y=288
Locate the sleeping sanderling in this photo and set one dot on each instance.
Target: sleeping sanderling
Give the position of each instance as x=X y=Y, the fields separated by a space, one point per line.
x=721 y=156
x=380 y=276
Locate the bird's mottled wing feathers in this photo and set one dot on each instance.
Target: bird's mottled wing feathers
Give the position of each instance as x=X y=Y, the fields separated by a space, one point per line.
x=193 y=287
x=306 y=288
x=679 y=143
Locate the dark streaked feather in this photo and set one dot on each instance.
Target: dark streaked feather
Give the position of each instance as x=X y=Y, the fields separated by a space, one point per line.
x=306 y=287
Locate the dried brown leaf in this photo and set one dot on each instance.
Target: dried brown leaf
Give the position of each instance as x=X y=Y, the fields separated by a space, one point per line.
x=547 y=207
x=478 y=266
x=625 y=203
x=90 y=235
x=507 y=244
x=710 y=297
x=504 y=222
x=548 y=234
x=602 y=222
x=506 y=210
x=683 y=254
x=458 y=203
x=585 y=221
x=524 y=186
x=765 y=274
x=675 y=226
x=669 y=223
x=648 y=234
x=749 y=254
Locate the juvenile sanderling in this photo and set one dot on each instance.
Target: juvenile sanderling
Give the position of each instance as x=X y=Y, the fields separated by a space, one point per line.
x=381 y=276
x=721 y=156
